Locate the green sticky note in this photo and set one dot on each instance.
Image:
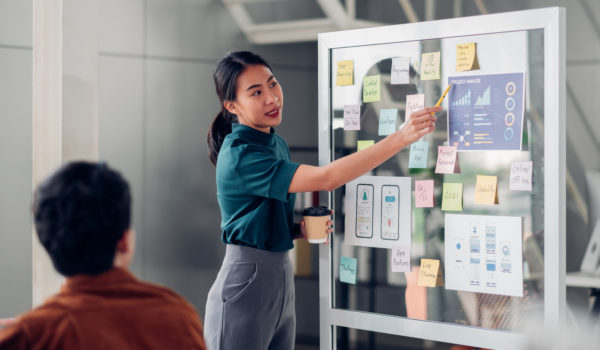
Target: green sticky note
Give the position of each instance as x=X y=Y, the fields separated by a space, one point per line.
x=418 y=154
x=348 y=270
x=362 y=144
x=371 y=89
x=452 y=197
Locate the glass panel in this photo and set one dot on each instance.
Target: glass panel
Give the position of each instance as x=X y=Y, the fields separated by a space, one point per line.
x=354 y=339
x=378 y=289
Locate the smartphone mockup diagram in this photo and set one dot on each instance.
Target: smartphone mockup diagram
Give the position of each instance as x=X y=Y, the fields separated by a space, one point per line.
x=390 y=228
x=364 y=210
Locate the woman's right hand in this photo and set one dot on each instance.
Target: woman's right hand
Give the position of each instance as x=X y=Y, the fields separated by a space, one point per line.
x=419 y=124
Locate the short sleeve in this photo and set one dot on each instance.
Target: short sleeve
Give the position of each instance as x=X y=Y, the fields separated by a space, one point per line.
x=262 y=174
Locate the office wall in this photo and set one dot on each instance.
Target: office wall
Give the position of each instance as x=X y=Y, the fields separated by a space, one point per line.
x=15 y=156
x=157 y=101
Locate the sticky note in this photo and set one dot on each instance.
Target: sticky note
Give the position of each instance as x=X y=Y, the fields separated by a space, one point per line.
x=399 y=73
x=371 y=89
x=486 y=189
x=430 y=274
x=414 y=103
x=424 y=194
x=418 y=154
x=345 y=73
x=520 y=176
x=387 y=121
x=447 y=162
x=452 y=196
x=401 y=259
x=352 y=117
x=362 y=144
x=348 y=270
x=466 y=57
x=430 y=66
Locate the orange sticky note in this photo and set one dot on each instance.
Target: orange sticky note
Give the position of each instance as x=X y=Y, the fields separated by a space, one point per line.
x=447 y=162
x=486 y=190
x=430 y=274
x=424 y=194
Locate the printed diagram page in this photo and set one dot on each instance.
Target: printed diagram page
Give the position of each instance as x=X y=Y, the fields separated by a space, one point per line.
x=378 y=211
x=485 y=112
x=484 y=254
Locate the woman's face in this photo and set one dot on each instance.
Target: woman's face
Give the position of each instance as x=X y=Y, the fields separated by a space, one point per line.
x=259 y=99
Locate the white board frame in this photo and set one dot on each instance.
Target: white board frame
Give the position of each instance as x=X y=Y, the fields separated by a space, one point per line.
x=552 y=21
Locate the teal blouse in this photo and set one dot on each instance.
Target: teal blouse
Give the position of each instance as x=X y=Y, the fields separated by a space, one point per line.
x=254 y=173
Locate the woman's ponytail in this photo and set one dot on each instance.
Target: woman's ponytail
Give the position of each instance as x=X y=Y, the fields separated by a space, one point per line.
x=225 y=76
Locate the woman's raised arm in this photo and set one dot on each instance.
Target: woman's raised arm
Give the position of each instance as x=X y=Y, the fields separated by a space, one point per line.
x=341 y=171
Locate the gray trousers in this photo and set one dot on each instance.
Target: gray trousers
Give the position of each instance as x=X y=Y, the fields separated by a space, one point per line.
x=251 y=305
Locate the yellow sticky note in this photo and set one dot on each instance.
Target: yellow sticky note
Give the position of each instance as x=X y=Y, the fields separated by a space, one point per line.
x=452 y=196
x=430 y=66
x=345 y=73
x=430 y=274
x=362 y=144
x=371 y=89
x=486 y=190
x=466 y=57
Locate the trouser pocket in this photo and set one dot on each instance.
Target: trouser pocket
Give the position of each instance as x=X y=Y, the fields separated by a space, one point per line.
x=237 y=281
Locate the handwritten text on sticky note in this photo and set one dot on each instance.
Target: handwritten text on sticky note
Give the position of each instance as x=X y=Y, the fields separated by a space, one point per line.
x=345 y=73
x=399 y=74
x=348 y=270
x=352 y=117
x=486 y=189
x=452 y=196
x=447 y=162
x=430 y=66
x=521 y=176
x=430 y=274
x=371 y=89
x=424 y=194
x=387 y=121
x=466 y=57
x=418 y=154
x=414 y=103
x=401 y=259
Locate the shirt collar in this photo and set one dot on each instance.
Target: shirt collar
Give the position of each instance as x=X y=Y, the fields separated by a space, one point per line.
x=84 y=281
x=254 y=135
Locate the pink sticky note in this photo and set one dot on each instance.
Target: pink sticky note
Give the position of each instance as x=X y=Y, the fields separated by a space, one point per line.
x=401 y=259
x=424 y=194
x=447 y=162
x=414 y=103
x=352 y=117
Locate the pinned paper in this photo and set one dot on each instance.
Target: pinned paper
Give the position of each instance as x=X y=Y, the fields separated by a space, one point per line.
x=424 y=194
x=520 y=176
x=399 y=74
x=430 y=66
x=348 y=270
x=362 y=144
x=486 y=190
x=447 y=162
x=352 y=117
x=430 y=274
x=418 y=154
x=452 y=197
x=371 y=89
x=387 y=121
x=466 y=57
x=414 y=103
x=345 y=73
x=401 y=259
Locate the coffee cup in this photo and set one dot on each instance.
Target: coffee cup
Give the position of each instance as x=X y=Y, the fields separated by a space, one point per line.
x=315 y=221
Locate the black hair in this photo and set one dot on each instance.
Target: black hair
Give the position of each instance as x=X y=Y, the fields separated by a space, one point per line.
x=80 y=213
x=225 y=76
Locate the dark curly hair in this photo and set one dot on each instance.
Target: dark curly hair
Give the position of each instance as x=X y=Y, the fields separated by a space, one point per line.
x=80 y=213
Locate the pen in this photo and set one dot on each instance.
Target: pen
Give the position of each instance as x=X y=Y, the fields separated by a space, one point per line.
x=439 y=102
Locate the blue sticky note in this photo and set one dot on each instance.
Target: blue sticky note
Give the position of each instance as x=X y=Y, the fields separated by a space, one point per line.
x=418 y=154
x=348 y=270
x=387 y=121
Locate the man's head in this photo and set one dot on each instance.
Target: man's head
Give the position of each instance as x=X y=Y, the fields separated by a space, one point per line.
x=82 y=215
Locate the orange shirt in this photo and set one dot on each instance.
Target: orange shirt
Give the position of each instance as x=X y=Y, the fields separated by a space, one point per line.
x=112 y=310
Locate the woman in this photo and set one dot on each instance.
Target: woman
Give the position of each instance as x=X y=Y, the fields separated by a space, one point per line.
x=251 y=303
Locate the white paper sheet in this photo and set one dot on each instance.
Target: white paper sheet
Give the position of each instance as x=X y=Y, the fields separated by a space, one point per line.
x=484 y=254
